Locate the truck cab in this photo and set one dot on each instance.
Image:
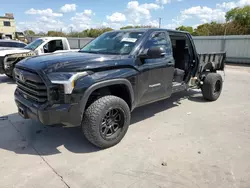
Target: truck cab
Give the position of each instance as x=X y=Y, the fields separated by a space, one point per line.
x=40 y=46
x=98 y=87
x=48 y=45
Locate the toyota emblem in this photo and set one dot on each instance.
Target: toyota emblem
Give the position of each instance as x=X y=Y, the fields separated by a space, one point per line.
x=21 y=77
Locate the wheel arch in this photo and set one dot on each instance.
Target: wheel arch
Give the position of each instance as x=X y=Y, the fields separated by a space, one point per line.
x=105 y=84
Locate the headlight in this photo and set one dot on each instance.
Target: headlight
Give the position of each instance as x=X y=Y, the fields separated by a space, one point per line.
x=66 y=79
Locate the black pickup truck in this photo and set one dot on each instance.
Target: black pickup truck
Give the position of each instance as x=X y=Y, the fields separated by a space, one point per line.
x=98 y=87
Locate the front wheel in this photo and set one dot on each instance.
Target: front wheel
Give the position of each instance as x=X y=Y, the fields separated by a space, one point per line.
x=212 y=86
x=106 y=121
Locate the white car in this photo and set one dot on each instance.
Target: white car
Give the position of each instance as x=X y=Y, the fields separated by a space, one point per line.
x=9 y=57
x=11 y=44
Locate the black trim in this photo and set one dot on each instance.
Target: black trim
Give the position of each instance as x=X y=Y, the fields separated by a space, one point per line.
x=99 y=85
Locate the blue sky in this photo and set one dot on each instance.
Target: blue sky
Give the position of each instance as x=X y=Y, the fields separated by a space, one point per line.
x=82 y=14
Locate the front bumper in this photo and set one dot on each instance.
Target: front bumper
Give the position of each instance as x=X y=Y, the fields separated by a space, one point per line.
x=68 y=114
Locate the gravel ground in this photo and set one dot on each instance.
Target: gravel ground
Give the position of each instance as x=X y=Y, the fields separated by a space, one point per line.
x=180 y=142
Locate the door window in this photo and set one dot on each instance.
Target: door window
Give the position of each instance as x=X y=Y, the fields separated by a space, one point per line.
x=53 y=46
x=159 y=39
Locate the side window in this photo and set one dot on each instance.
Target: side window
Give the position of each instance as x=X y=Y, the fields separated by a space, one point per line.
x=22 y=45
x=159 y=39
x=53 y=46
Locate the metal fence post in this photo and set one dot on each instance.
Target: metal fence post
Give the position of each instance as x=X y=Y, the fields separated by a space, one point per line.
x=223 y=44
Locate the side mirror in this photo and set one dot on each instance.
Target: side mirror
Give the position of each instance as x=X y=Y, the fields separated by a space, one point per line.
x=153 y=53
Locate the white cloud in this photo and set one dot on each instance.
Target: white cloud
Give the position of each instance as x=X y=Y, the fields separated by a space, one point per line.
x=205 y=14
x=88 y=12
x=226 y=5
x=42 y=24
x=68 y=8
x=163 y=2
x=82 y=20
x=150 y=6
x=153 y=23
x=113 y=25
x=45 y=12
x=116 y=17
x=139 y=13
x=232 y=4
x=242 y=3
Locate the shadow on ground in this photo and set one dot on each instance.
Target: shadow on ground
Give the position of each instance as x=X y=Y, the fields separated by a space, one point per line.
x=29 y=137
x=6 y=79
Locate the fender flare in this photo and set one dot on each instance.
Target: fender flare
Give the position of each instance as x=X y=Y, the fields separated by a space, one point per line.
x=98 y=85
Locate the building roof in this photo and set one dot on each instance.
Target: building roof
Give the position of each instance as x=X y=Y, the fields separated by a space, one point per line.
x=5 y=17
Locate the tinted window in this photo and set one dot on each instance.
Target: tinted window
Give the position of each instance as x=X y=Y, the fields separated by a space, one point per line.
x=22 y=45
x=6 y=23
x=159 y=39
x=11 y=44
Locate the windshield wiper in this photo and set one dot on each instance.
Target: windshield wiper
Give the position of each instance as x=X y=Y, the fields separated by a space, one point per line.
x=91 y=52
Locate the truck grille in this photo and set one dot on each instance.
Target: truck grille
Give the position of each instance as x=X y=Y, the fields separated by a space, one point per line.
x=31 y=86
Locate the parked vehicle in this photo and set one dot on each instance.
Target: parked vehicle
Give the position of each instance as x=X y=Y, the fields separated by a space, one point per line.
x=10 y=44
x=20 y=36
x=9 y=57
x=101 y=84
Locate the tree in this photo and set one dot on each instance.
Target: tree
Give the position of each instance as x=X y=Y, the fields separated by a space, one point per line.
x=56 y=34
x=239 y=15
x=96 y=32
x=29 y=32
x=185 y=28
x=127 y=27
x=137 y=26
x=234 y=28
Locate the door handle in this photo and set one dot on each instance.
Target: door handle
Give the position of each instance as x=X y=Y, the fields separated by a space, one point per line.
x=170 y=63
x=163 y=54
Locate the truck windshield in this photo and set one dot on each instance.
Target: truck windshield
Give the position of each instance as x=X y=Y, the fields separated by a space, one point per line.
x=117 y=43
x=33 y=45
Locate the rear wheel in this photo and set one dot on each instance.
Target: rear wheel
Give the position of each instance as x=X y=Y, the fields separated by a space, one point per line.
x=106 y=121
x=212 y=86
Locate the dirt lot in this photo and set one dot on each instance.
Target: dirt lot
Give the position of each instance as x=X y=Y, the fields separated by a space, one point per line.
x=180 y=142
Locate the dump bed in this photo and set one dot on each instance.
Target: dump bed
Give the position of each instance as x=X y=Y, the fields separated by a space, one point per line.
x=211 y=61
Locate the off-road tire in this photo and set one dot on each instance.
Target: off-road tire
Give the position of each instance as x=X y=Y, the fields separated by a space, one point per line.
x=212 y=86
x=93 y=117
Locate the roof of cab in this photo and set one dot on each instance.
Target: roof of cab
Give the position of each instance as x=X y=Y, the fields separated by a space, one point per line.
x=9 y=40
x=50 y=38
x=151 y=29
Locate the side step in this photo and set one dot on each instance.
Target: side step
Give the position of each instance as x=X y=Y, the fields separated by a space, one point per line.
x=177 y=86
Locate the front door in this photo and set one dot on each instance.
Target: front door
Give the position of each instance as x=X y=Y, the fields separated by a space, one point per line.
x=156 y=75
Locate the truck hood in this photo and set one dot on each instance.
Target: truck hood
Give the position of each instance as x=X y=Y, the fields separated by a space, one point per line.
x=69 y=62
x=4 y=52
x=9 y=48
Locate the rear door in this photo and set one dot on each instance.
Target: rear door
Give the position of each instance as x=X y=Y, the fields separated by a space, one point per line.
x=155 y=79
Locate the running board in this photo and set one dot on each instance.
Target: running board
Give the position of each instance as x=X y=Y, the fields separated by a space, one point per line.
x=177 y=86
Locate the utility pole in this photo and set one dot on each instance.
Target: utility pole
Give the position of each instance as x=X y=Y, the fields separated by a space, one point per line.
x=160 y=22
x=71 y=29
